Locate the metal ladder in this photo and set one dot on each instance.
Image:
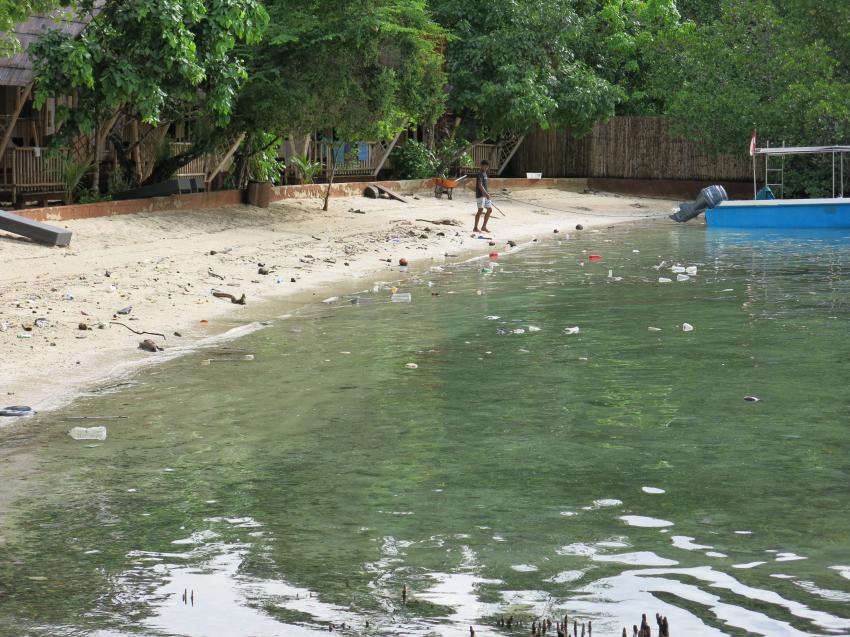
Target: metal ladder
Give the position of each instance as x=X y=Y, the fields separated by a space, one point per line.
x=771 y=174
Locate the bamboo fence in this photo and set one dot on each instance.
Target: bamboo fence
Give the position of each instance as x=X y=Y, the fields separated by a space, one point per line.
x=627 y=148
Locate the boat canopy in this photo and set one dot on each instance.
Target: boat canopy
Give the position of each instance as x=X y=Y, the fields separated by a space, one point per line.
x=775 y=177
x=802 y=150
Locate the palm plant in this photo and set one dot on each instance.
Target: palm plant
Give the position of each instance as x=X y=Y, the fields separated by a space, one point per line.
x=73 y=171
x=304 y=168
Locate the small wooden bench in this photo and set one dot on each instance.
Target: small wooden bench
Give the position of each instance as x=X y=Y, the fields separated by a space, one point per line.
x=42 y=197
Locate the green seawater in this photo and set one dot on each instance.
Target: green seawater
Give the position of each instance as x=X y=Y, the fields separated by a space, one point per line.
x=603 y=474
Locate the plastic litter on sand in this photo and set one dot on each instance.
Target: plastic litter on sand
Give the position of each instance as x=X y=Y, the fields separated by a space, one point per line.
x=88 y=433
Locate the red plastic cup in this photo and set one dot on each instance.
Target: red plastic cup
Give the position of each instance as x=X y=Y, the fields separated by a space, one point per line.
x=494 y=255
x=595 y=257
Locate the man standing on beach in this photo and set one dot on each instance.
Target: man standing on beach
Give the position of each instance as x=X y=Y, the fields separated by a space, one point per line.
x=482 y=197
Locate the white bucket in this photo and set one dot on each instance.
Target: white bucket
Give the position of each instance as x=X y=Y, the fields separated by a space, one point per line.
x=533 y=175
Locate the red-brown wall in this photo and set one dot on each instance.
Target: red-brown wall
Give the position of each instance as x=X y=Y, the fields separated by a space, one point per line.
x=684 y=189
x=222 y=198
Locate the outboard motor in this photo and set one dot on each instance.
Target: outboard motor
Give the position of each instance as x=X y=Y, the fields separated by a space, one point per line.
x=708 y=198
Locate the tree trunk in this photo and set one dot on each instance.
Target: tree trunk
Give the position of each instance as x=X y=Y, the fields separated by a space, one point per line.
x=96 y=156
x=332 y=164
x=124 y=160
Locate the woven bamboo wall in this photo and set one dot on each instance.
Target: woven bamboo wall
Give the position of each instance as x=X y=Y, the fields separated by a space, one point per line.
x=625 y=147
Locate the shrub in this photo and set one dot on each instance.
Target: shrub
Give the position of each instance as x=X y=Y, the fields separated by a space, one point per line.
x=414 y=160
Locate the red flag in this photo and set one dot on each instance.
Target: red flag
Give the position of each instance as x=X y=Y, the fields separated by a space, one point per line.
x=753 y=144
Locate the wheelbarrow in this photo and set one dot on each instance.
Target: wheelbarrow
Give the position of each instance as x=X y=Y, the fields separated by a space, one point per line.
x=444 y=186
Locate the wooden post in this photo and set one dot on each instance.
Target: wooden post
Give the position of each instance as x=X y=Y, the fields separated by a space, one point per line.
x=386 y=154
x=510 y=155
x=227 y=157
x=134 y=140
x=23 y=96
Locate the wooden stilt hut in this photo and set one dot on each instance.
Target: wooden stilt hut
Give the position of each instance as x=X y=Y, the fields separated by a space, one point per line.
x=29 y=173
x=26 y=171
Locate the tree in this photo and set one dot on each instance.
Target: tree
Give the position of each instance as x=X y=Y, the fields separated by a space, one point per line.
x=515 y=65
x=156 y=60
x=512 y=67
x=699 y=11
x=624 y=40
x=772 y=66
x=14 y=12
x=752 y=68
x=354 y=69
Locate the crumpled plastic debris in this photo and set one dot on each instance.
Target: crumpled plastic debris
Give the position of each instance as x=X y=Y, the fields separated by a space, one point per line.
x=88 y=433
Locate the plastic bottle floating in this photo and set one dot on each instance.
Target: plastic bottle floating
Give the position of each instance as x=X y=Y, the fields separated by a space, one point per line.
x=594 y=257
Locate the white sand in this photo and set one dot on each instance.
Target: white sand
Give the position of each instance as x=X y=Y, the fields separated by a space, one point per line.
x=160 y=264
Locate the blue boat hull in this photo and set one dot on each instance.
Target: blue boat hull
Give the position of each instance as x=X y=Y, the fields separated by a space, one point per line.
x=781 y=213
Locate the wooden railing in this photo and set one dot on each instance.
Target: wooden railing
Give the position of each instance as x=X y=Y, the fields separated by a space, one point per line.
x=357 y=161
x=25 y=170
x=499 y=155
x=354 y=158
x=197 y=167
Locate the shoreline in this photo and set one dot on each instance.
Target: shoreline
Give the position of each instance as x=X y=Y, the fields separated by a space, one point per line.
x=164 y=265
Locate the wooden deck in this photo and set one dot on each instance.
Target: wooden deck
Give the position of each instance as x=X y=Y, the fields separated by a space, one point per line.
x=499 y=155
x=363 y=158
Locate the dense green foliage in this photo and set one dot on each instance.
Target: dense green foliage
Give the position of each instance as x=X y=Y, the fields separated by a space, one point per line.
x=514 y=66
x=364 y=70
x=13 y=12
x=757 y=68
x=160 y=60
x=152 y=54
x=415 y=160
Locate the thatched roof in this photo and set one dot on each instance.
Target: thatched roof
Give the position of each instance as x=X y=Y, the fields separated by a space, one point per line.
x=17 y=70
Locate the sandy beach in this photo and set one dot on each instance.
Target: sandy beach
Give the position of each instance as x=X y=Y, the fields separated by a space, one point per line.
x=163 y=266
